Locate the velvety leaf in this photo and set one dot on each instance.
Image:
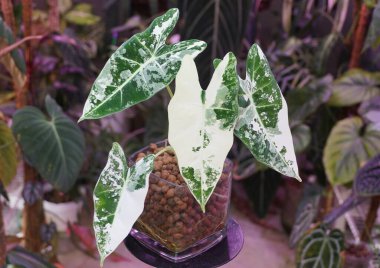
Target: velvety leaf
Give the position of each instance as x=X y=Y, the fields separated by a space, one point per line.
x=201 y=124
x=373 y=35
x=52 y=144
x=354 y=87
x=220 y=23
x=320 y=248
x=119 y=199
x=7 y=37
x=301 y=137
x=139 y=68
x=8 y=155
x=263 y=117
x=306 y=212
x=370 y=111
x=367 y=181
x=305 y=101
x=349 y=145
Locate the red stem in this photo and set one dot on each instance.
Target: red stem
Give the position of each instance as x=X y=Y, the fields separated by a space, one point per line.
x=359 y=37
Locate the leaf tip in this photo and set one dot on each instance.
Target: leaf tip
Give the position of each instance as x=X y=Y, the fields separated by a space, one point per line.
x=82 y=118
x=203 y=207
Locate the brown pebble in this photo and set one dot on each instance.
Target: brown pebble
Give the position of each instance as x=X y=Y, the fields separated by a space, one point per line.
x=172 y=178
x=178 y=236
x=170 y=193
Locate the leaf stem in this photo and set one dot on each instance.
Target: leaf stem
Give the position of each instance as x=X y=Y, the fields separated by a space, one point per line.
x=167 y=148
x=169 y=91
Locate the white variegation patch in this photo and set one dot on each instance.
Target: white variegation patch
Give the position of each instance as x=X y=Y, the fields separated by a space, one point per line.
x=119 y=199
x=201 y=124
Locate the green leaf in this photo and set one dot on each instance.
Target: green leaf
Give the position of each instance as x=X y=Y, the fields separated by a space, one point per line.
x=306 y=212
x=301 y=137
x=7 y=37
x=323 y=53
x=261 y=189
x=8 y=155
x=201 y=124
x=349 y=145
x=354 y=87
x=82 y=15
x=119 y=199
x=263 y=117
x=305 y=101
x=320 y=248
x=139 y=68
x=373 y=36
x=220 y=23
x=54 y=145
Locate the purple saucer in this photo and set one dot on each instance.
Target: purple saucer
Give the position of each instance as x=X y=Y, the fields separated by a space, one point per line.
x=222 y=253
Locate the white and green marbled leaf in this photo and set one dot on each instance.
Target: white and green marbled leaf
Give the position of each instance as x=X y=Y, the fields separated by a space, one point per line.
x=139 y=68
x=263 y=124
x=119 y=199
x=201 y=124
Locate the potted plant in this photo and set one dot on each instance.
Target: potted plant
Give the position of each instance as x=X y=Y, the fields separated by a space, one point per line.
x=176 y=192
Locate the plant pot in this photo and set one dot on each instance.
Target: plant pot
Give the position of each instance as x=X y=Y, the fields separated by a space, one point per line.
x=172 y=223
x=62 y=213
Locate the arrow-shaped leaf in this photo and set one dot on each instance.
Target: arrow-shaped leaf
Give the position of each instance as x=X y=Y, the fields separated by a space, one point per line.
x=263 y=117
x=119 y=199
x=139 y=68
x=201 y=124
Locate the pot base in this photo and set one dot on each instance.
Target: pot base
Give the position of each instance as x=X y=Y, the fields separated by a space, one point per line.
x=224 y=248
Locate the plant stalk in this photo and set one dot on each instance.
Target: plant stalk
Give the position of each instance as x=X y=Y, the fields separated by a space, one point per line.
x=359 y=36
x=33 y=215
x=370 y=219
x=329 y=199
x=169 y=91
x=167 y=148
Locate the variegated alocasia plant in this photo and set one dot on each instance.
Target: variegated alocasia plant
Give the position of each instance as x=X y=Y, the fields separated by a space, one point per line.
x=202 y=123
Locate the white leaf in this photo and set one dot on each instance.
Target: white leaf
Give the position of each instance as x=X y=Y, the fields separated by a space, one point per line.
x=201 y=124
